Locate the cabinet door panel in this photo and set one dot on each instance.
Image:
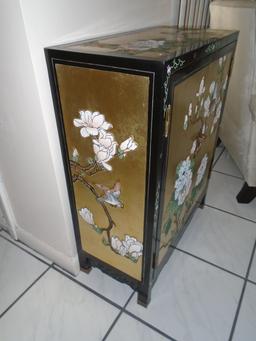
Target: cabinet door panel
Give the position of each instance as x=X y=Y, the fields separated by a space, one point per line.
x=196 y=111
x=105 y=116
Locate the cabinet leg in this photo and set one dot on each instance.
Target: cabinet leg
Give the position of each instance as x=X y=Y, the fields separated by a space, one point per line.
x=86 y=266
x=201 y=205
x=246 y=194
x=144 y=299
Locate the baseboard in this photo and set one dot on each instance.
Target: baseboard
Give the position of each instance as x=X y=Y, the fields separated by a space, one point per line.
x=70 y=264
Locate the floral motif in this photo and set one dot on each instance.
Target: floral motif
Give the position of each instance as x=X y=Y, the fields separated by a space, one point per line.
x=190 y=109
x=217 y=113
x=87 y=215
x=129 y=247
x=225 y=83
x=184 y=180
x=193 y=148
x=212 y=87
x=201 y=88
x=144 y=45
x=105 y=149
x=118 y=246
x=91 y=122
x=185 y=124
x=75 y=155
x=128 y=145
x=207 y=104
x=201 y=170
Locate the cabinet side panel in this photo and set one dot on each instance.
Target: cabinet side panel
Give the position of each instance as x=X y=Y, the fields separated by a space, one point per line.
x=105 y=116
x=197 y=107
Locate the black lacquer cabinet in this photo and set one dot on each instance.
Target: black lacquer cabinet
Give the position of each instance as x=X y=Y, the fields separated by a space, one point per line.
x=138 y=116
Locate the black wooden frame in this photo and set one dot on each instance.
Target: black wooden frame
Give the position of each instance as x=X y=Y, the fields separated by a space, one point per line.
x=156 y=148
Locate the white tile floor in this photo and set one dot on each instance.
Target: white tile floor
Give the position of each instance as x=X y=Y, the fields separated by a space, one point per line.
x=207 y=290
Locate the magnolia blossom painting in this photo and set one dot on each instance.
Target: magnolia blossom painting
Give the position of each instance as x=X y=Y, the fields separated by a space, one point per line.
x=93 y=125
x=202 y=116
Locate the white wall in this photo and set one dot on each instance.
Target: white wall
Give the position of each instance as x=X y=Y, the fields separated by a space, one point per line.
x=30 y=159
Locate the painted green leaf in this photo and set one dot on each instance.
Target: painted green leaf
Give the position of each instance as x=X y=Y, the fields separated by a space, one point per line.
x=167 y=226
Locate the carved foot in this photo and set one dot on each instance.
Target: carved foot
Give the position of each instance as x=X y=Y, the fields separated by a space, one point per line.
x=202 y=203
x=86 y=266
x=246 y=195
x=143 y=299
x=87 y=270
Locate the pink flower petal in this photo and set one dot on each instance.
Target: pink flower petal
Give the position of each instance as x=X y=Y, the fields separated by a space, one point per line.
x=92 y=131
x=78 y=123
x=106 y=125
x=97 y=119
x=86 y=116
x=84 y=132
x=107 y=166
x=102 y=156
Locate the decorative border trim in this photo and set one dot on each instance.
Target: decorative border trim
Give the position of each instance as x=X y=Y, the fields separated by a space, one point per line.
x=210 y=48
x=175 y=65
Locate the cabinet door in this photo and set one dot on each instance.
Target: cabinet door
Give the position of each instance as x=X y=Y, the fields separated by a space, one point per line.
x=105 y=118
x=196 y=109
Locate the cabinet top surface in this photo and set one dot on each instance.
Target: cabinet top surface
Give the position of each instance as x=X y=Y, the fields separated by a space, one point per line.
x=155 y=43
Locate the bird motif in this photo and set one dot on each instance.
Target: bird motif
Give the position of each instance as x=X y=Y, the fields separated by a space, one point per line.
x=111 y=195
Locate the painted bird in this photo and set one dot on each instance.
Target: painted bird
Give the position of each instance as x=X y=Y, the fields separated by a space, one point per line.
x=111 y=195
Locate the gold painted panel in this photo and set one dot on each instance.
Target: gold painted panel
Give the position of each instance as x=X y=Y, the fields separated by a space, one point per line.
x=197 y=107
x=105 y=115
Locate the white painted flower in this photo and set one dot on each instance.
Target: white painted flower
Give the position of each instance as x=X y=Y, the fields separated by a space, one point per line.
x=91 y=123
x=104 y=148
x=184 y=180
x=185 y=124
x=190 y=109
x=212 y=129
x=217 y=113
x=118 y=246
x=87 y=215
x=196 y=109
x=133 y=247
x=169 y=70
x=207 y=103
x=201 y=170
x=215 y=93
x=143 y=45
x=193 y=148
x=203 y=128
x=225 y=83
x=212 y=87
x=128 y=145
x=221 y=60
x=75 y=155
x=201 y=88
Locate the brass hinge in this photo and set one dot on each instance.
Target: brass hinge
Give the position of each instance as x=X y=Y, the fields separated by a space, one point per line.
x=167 y=119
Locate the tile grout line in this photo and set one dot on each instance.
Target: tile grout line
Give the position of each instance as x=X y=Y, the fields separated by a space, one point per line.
x=233 y=214
x=242 y=294
x=25 y=291
x=207 y=262
x=227 y=174
x=251 y=281
x=149 y=325
x=214 y=162
x=118 y=316
x=27 y=251
x=116 y=305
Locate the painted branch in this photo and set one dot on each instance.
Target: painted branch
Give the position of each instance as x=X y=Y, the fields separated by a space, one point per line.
x=76 y=169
